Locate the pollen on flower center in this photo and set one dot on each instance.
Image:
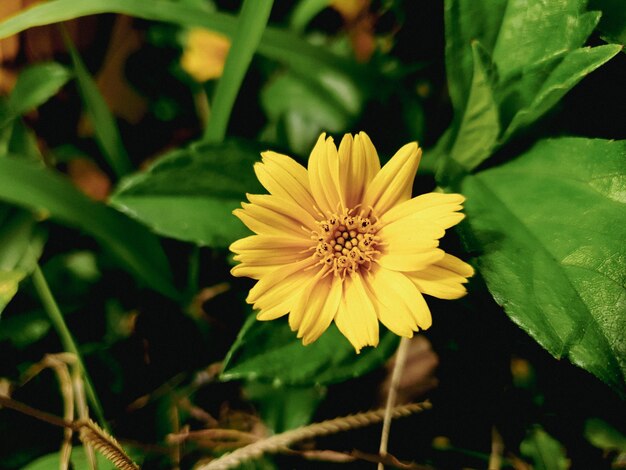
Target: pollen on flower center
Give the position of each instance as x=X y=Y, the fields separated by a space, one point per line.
x=347 y=243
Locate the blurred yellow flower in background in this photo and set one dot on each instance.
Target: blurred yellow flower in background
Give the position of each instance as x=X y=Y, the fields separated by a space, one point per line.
x=344 y=241
x=204 y=54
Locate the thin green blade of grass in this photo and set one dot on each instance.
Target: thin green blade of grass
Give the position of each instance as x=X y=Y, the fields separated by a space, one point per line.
x=104 y=126
x=252 y=21
x=67 y=340
x=30 y=185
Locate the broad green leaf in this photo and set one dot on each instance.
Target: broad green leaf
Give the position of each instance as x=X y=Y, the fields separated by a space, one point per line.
x=544 y=451
x=305 y=105
x=467 y=21
x=24 y=328
x=534 y=31
x=35 y=85
x=479 y=128
x=190 y=194
x=604 y=436
x=535 y=59
x=270 y=352
x=551 y=247
x=32 y=186
x=21 y=244
x=103 y=122
x=572 y=69
x=284 y=407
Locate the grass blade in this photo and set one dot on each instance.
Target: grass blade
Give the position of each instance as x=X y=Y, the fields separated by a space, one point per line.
x=103 y=122
x=252 y=21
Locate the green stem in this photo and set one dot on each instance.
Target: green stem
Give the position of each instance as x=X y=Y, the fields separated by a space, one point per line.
x=250 y=26
x=67 y=340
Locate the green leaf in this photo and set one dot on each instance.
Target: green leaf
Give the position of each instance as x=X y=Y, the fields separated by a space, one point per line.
x=32 y=186
x=270 y=352
x=309 y=103
x=104 y=125
x=466 y=21
x=24 y=328
x=534 y=31
x=613 y=22
x=35 y=85
x=531 y=56
x=283 y=407
x=551 y=248
x=9 y=280
x=21 y=244
x=544 y=451
x=572 y=69
x=190 y=194
x=479 y=127
x=604 y=436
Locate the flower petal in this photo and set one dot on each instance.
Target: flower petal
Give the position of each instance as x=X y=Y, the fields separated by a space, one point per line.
x=400 y=306
x=284 y=207
x=358 y=164
x=324 y=175
x=284 y=177
x=394 y=183
x=437 y=208
x=356 y=316
x=320 y=309
x=269 y=242
x=267 y=283
x=443 y=279
x=408 y=258
x=265 y=221
x=280 y=298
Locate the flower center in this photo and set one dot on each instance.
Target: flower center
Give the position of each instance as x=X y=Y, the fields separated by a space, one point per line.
x=346 y=243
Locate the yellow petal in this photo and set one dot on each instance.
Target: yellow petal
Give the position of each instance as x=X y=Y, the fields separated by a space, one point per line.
x=254 y=272
x=394 y=183
x=265 y=221
x=280 y=298
x=274 y=277
x=324 y=175
x=284 y=177
x=269 y=242
x=409 y=259
x=394 y=291
x=356 y=316
x=358 y=164
x=443 y=279
x=284 y=207
x=322 y=309
x=424 y=206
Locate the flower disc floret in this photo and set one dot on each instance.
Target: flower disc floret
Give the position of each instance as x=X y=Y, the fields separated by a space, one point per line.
x=346 y=243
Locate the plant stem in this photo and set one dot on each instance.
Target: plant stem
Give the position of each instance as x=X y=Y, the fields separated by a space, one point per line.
x=391 y=397
x=250 y=26
x=67 y=340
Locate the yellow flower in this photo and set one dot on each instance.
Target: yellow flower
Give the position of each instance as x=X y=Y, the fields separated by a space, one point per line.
x=345 y=242
x=204 y=55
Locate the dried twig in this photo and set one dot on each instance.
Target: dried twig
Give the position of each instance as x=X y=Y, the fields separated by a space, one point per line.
x=391 y=398
x=279 y=442
x=497 y=448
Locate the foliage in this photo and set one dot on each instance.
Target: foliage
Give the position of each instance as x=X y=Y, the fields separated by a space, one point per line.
x=142 y=277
